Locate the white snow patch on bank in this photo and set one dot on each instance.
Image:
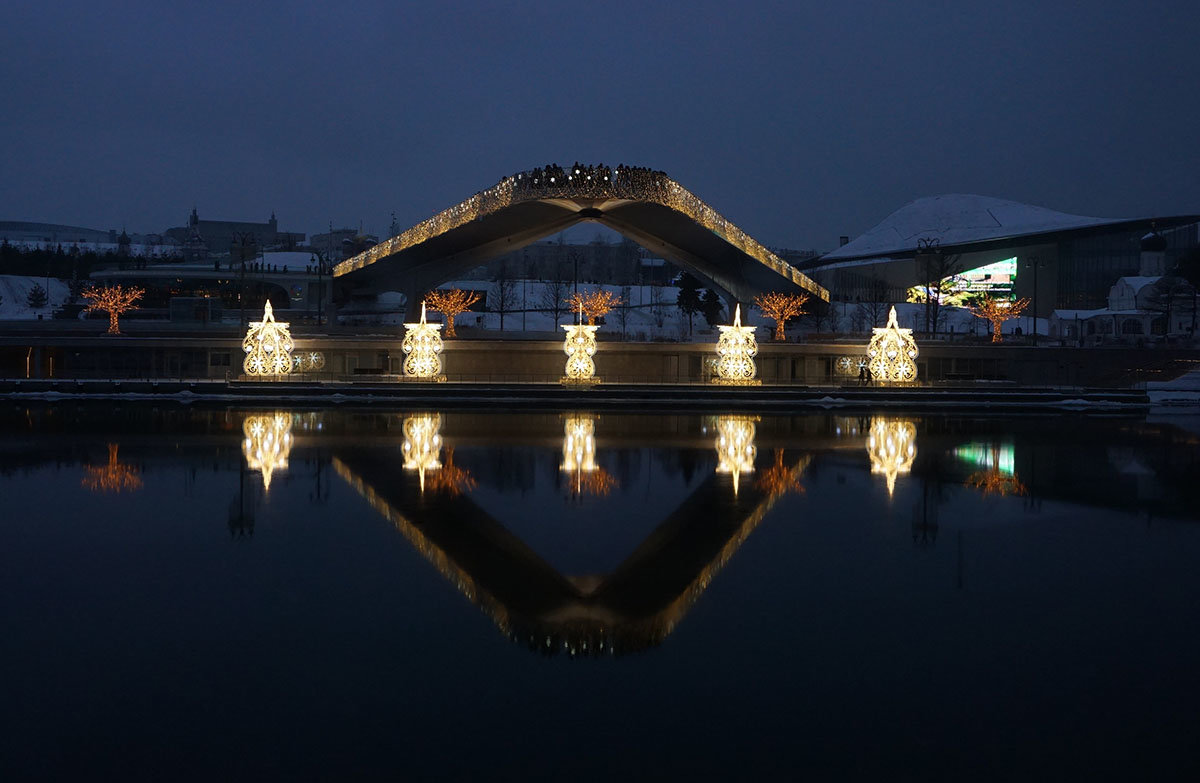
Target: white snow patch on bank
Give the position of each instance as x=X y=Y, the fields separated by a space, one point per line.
x=14 y=292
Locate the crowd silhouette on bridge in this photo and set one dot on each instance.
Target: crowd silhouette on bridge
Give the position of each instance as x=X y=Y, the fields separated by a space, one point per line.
x=580 y=176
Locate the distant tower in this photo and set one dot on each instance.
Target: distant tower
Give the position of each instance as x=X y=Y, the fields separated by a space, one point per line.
x=123 y=243
x=1154 y=255
x=195 y=248
x=394 y=229
x=193 y=219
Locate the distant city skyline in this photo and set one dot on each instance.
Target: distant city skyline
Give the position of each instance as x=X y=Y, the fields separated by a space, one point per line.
x=798 y=124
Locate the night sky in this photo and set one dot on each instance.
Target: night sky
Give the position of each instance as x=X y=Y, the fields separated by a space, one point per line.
x=798 y=121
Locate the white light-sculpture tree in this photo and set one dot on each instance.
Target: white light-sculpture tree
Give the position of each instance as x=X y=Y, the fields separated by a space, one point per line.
x=422 y=348
x=735 y=447
x=267 y=444
x=736 y=350
x=422 y=444
x=268 y=346
x=580 y=347
x=892 y=447
x=892 y=353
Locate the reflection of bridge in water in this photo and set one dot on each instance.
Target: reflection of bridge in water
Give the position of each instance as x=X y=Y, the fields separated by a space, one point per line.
x=635 y=606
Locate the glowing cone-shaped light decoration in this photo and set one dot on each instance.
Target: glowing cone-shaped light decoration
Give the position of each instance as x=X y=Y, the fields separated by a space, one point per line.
x=892 y=353
x=736 y=350
x=422 y=348
x=580 y=347
x=735 y=447
x=892 y=447
x=268 y=346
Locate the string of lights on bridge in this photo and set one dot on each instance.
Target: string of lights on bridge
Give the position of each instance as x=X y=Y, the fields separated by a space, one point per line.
x=592 y=182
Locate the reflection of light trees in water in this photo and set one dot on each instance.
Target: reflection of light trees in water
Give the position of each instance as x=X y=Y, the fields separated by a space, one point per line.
x=780 y=478
x=422 y=452
x=451 y=479
x=267 y=443
x=116 y=476
x=585 y=477
x=995 y=481
x=422 y=444
x=735 y=446
x=892 y=447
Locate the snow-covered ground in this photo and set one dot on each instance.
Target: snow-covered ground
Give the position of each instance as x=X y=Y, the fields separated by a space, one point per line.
x=14 y=290
x=663 y=321
x=1183 y=391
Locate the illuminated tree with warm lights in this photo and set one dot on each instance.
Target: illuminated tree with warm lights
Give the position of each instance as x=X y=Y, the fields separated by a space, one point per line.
x=595 y=304
x=114 y=300
x=997 y=311
x=780 y=308
x=450 y=303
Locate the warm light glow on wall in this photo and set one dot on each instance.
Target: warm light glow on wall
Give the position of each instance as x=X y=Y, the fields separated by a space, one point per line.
x=736 y=349
x=422 y=348
x=735 y=447
x=116 y=476
x=267 y=443
x=422 y=444
x=892 y=447
x=579 y=458
x=580 y=347
x=892 y=353
x=268 y=346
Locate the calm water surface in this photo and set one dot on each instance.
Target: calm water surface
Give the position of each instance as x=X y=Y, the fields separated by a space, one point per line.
x=338 y=594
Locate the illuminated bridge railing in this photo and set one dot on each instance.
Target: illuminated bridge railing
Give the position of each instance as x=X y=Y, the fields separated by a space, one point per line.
x=592 y=182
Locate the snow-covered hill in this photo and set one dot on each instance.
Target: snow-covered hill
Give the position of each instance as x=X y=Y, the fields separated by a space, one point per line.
x=14 y=290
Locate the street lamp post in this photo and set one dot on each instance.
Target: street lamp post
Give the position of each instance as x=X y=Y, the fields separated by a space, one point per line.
x=1034 y=262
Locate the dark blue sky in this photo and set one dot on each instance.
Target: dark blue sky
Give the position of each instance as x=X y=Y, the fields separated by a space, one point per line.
x=798 y=123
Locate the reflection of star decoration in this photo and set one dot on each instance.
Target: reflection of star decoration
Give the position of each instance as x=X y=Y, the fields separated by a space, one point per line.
x=113 y=477
x=735 y=447
x=422 y=445
x=267 y=444
x=780 y=479
x=451 y=479
x=579 y=459
x=892 y=447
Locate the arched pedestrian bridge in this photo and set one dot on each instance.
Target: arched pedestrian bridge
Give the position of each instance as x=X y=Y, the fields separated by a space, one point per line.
x=647 y=206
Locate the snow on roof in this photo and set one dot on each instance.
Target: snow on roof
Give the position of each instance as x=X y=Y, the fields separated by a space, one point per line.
x=958 y=218
x=1138 y=283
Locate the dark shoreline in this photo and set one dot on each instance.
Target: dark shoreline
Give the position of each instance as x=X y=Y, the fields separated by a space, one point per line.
x=607 y=396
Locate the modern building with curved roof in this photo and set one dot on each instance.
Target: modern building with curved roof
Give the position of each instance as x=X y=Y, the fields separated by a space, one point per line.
x=1058 y=259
